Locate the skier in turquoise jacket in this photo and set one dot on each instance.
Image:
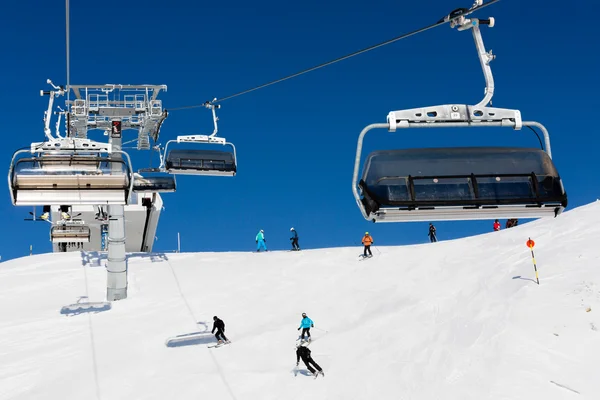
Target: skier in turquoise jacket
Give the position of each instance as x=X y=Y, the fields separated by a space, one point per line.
x=305 y=325
x=261 y=241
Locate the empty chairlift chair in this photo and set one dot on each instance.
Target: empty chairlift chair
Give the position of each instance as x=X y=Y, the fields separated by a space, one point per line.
x=70 y=233
x=460 y=184
x=154 y=184
x=465 y=183
x=201 y=162
x=65 y=177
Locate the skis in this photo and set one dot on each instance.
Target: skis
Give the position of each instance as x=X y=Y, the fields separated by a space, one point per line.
x=216 y=345
x=319 y=373
x=362 y=257
x=303 y=341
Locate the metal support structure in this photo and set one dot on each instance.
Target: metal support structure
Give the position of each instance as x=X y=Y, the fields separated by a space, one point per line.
x=136 y=106
x=58 y=91
x=212 y=107
x=484 y=57
x=113 y=109
x=116 y=266
x=60 y=114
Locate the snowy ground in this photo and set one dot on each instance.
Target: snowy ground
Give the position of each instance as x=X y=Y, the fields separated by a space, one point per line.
x=460 y=319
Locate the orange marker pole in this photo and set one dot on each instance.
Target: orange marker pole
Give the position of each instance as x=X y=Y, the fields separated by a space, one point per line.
x=530 y=244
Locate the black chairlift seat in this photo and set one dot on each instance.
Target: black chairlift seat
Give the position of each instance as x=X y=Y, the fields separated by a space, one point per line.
x=70 y=234
x=460 y=184
x=69 y=179
x=201 y=162
x=154 y=184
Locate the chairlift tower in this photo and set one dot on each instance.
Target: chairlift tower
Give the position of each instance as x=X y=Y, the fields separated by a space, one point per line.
x=71 y=169
x=115 y=109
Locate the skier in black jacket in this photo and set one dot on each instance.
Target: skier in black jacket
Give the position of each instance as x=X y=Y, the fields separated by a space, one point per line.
x=294 y=240
x=219 y=325
x=304 y=353
x=431 y=234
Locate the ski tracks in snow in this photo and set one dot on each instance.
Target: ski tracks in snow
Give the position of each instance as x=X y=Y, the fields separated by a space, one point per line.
x=189 y=308
x=93 y=343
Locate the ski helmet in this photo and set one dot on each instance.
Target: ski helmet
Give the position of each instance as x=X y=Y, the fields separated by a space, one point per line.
x=304 y=314
x=262 y=231
x=292 y=228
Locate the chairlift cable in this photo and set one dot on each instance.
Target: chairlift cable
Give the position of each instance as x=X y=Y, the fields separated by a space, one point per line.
x=68 y=50
x=449 y=18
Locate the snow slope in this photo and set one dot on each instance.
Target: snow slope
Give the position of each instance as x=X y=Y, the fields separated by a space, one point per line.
x=461 y=319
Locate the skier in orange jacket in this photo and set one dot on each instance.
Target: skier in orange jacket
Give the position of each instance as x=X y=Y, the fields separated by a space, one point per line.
x=367 y=240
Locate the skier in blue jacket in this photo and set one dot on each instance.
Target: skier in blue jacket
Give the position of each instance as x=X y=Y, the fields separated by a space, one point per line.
x=294 y=240
x=305 y=325
x=261 y=241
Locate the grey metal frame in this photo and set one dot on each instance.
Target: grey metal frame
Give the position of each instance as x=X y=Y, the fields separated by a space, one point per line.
x=455 y=116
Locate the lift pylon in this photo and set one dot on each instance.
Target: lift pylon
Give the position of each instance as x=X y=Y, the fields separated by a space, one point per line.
x=72 y=169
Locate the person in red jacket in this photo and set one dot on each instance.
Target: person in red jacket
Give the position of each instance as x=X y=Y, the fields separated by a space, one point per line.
x=496 y=225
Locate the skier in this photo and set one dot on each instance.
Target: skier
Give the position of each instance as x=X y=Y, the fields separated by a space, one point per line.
x=511 y=222
x=294 y=239
x=432 y=236
x=367 y=241
x=261 y=241
x=304 y=353
x=305 y=324
x=219 y=325
x=496 y=225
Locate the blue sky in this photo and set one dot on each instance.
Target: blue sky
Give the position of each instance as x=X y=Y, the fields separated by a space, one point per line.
x=296 y=140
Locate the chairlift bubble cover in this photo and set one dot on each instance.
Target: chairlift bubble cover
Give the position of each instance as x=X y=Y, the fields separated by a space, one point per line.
x=468 y=176
x=154 y=184
x=61 y=172
x=200 y=160
x=73 y=179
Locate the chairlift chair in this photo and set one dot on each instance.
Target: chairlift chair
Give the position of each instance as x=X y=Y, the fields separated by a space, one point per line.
x=70 y=232
x=468 y=183
x=460 y=183
x=201 y=162
x=70 y=171
x=149 y=183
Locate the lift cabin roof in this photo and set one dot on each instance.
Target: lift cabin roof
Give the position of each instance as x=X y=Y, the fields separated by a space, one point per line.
x=461 y=183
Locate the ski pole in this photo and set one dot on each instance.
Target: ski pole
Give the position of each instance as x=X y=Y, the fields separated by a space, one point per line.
x=530 y=244
x=323 y=330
